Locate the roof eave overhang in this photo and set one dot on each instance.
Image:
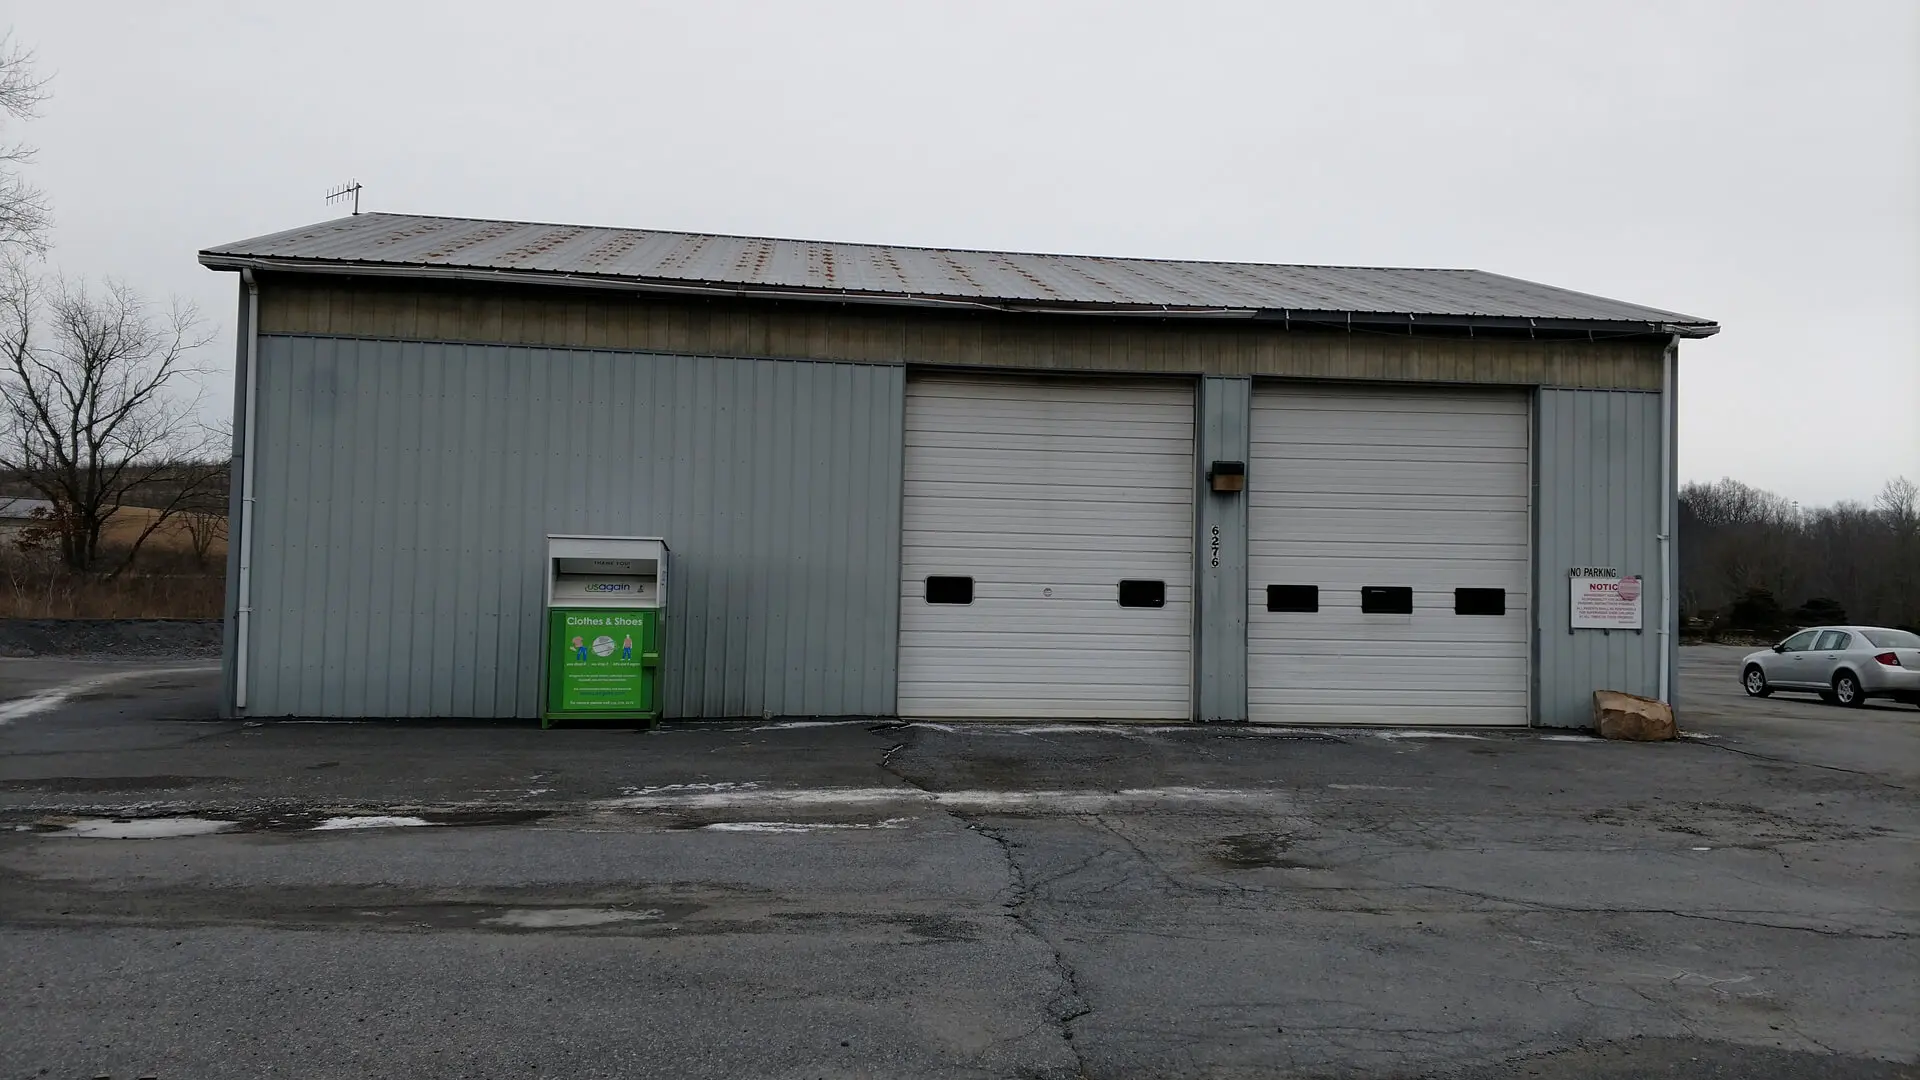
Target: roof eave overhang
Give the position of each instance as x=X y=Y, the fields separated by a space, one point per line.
x=1303 y=318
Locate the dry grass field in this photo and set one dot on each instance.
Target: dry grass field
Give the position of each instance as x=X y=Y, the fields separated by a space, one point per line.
x=127 y=522
x=166 y=582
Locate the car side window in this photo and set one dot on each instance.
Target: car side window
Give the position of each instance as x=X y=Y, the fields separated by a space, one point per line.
x=1833 y=641
x=1799 y=642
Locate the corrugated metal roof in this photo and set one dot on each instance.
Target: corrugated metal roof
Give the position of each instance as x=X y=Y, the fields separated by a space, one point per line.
x=802 y=269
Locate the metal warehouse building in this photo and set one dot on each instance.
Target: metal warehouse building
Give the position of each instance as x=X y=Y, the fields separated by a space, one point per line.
x=930 y=483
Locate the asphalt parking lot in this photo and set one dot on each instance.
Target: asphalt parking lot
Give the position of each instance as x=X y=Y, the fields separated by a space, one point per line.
x=186 y=897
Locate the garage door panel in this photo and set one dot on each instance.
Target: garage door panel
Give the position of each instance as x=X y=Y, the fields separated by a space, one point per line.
x=1291 y=553
x=1031 y=572
x=1439 y=450
x=1349 y=622
x=1047 y=493
x=1094 y=493
x=1435 y=714
x=1349 y=488
x=1341 y=580
x=1350 y=527
x=1317 y=480
x=1069 y=610
x=1121 y=433
x=1067 y=519
x=1430 y=499
x=1453 y=650
x=1152 y=554
x=1420 y=659
x=1338 y=687
x=1386 y=429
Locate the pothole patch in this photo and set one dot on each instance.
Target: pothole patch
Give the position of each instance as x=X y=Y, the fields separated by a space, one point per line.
x=1255 y=851
x=570 y=918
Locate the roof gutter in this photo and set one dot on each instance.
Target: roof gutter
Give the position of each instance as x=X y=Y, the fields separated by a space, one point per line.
x=1319 y=319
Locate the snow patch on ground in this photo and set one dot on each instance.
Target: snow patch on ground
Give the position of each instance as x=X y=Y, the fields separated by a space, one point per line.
x=1369 y=787
x=145 y=828
x=800 y=826
x=1066 y=801
x=369 y=821
x=664 y=789
x=1569 y=738
x=1424 y=735
x=570 y=918
x=788 y=725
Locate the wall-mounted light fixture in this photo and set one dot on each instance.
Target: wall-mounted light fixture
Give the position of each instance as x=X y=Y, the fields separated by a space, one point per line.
x=1227 y=476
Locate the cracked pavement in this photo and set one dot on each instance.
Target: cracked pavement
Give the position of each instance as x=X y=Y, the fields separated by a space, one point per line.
x=885 y=900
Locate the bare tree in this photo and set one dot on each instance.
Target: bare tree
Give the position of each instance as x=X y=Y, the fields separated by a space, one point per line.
x=1899 y=505
x=1738 y=544
x=204 y=517
x=92 y=410
x=24 y=212
x=1899 y=501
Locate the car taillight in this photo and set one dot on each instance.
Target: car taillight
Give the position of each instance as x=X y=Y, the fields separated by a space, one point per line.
x=1889 y=659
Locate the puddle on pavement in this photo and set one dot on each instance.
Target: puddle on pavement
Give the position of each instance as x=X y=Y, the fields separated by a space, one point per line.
x=1256 y=851
x=522 y=918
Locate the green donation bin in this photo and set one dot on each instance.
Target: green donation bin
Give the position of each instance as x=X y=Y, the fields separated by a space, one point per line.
x=605 y=597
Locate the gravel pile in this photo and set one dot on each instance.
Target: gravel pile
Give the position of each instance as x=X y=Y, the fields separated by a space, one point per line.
x=126 y=639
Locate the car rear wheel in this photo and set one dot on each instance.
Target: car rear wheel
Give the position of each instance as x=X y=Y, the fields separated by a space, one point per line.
x=1846 y=690
x=1755 y=681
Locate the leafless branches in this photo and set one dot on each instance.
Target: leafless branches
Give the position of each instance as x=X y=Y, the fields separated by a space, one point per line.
x=1737 y=542
x=98 y=407
x=25 y=214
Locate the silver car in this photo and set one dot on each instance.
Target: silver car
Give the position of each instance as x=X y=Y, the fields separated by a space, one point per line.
x=1843 y=664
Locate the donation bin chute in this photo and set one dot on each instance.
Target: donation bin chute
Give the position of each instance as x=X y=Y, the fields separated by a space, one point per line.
x=605 y=598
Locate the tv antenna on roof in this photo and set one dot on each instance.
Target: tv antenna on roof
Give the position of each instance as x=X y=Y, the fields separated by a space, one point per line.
x=344 y=190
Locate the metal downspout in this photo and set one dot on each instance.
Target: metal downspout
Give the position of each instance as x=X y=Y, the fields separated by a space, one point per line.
x=1669 y=610
x=243 y=617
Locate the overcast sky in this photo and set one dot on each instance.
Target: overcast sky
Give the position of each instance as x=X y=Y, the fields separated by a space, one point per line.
x=1754 y=163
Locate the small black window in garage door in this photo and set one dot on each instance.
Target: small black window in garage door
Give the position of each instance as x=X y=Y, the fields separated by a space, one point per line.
x=1299 y=598
x=1479 y=601
x=949 y=590
x=1386 y=600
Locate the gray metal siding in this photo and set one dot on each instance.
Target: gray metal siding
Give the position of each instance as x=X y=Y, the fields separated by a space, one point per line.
x=405 y=490
x=1598 y=504
x=1220 y=626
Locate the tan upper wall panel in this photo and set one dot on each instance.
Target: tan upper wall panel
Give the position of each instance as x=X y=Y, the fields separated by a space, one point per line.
x=866 y=334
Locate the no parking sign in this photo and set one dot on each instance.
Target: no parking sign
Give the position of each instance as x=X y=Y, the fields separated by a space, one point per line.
x=1604 y=599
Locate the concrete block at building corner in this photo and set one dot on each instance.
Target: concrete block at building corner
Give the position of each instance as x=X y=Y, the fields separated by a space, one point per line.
x=1631 y=717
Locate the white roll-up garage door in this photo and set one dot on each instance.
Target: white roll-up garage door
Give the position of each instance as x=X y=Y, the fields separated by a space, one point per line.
x=1388 y=556
x=1047 y=562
